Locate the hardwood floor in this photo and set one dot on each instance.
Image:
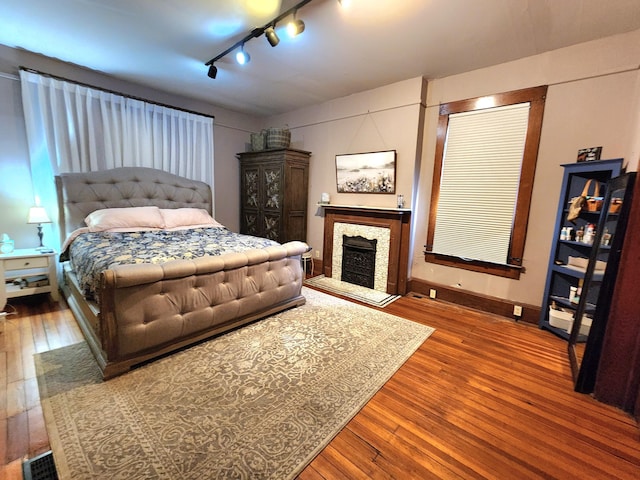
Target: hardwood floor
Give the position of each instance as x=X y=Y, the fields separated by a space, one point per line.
x=38 y=325
x=483 y=397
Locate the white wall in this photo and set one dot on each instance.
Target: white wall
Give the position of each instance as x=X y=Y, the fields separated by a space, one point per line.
x=385 y=118
x=231 y=132
x=16 y=194
x=592 y=100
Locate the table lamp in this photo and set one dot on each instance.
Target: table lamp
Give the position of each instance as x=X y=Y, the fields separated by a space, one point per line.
x=38 y=215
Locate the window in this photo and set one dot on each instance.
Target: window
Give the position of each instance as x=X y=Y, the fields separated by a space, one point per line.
x=485 y=163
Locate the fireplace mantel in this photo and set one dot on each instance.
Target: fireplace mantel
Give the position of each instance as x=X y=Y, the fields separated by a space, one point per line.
x=397 y=220
x=351 y=208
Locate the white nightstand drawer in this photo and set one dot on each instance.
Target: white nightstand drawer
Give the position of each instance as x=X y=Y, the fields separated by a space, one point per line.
x=31 y=262
x=27 y=263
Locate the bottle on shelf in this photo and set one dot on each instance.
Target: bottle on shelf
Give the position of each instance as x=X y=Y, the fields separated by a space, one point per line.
x=589 y=234
x=573 y=295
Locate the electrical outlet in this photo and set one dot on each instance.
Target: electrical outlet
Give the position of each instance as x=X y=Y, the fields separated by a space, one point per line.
x=517 y=311
x=317 y=253
x=432 y=293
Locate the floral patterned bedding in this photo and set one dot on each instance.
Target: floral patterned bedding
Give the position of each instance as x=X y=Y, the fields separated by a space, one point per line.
x=91 y=253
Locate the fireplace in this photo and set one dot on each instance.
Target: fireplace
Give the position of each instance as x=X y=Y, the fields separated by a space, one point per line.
x=389 y=227
x=381 y=235
x=359 y=260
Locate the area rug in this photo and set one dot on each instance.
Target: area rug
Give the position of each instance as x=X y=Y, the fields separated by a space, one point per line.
x=257 y=403
x=350 y=290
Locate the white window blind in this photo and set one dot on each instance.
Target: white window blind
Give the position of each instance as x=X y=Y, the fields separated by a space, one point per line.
x=479 y=183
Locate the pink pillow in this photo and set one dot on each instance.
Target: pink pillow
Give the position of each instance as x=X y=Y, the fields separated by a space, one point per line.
x=123 y=219
x=187 y=217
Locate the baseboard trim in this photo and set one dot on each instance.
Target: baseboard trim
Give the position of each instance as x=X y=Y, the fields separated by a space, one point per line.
x=485 y=303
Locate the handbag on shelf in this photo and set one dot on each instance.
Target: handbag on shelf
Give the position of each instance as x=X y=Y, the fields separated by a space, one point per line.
x=593 y=203
x=585 y=202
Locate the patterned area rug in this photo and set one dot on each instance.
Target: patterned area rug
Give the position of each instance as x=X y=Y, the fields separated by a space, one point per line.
x=350 y=290
x=257 y=403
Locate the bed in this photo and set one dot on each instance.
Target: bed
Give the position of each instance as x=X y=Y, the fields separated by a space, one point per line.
x=143 y=310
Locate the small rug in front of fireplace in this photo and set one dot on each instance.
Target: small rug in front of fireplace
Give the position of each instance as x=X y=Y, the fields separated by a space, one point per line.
x=351 y=290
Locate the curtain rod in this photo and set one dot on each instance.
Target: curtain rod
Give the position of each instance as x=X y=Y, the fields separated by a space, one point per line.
x=56 y=77
x=9 y=76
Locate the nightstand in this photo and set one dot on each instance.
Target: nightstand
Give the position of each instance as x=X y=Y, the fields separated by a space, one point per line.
x=35 y=269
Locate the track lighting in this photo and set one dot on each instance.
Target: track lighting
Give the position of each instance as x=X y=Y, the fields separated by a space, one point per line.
x=295 y=27
x=242 y=57
x=272 y=36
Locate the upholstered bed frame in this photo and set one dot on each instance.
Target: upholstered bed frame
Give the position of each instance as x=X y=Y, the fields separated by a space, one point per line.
x=148 y=310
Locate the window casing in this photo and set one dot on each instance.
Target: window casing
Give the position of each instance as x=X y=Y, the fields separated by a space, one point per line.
x=459 y=191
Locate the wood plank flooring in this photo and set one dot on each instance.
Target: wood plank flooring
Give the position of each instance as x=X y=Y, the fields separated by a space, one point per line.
x=483 y=397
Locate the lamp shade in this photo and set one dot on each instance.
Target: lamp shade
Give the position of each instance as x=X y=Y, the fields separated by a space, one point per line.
x=38 y=215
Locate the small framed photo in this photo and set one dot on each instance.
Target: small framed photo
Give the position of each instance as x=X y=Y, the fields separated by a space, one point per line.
x=373 y=172
x=589 y=154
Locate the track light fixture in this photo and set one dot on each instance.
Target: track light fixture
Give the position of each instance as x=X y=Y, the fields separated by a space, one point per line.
x=295 y=27
x=269 y=32
x=242 y=57
x=272 y=36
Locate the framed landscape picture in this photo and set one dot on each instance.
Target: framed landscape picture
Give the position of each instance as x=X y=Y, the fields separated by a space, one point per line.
x=373 y=172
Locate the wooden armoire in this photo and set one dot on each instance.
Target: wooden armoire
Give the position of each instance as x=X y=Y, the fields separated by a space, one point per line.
x=274 y=187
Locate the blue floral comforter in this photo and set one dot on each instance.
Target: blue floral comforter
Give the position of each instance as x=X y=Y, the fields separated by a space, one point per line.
x=91 y=253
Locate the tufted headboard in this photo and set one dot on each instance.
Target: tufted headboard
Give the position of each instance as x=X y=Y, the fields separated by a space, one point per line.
x=79 y=194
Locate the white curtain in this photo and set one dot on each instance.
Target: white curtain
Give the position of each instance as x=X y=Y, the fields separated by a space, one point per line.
x=74 y=128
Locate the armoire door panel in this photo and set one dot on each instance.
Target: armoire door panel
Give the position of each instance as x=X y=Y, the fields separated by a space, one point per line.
x=250 y=223
x=273 y=187
x=250 y=188
x=272 y=225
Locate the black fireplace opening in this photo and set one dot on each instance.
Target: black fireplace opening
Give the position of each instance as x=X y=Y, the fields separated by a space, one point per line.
x=358 y=260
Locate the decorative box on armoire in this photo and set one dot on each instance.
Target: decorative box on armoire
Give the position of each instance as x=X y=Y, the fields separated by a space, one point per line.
x=274 y=188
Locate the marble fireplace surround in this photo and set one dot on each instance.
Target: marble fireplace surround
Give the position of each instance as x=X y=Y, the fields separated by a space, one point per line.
x=382 y=235
x=370 y=222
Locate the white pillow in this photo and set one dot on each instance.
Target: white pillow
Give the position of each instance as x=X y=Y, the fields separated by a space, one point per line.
x=123 y=219
x=187 y=217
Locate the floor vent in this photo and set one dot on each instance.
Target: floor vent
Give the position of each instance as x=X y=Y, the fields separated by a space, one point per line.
x=40 y=468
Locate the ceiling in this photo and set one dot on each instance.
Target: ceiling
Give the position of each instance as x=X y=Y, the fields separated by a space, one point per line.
x=165 y=43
